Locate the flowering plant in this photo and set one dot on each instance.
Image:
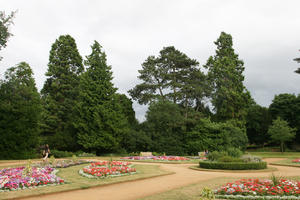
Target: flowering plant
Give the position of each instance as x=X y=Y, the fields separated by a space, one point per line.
x=257 y=187
x=162 y=158
x=296 y=160
x=15 y=178
x=105 y=169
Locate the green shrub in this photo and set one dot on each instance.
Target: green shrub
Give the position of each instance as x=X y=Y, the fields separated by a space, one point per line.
x=84 y=154
x=234 y=152
x=250 y=158
x=232 y=165
x=229 y=159
x=61 y=154
x=216 y=155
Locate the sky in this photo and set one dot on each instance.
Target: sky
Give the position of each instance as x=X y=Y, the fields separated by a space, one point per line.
x=266 y=35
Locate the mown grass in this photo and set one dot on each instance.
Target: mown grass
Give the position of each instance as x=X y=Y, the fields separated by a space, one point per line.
x=75 y=181
x=287 y=162
x=269 y=169
x=164 y=162
x=276 y=154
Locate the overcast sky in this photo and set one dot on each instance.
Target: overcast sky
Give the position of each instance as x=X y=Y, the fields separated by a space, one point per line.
x=266 y=35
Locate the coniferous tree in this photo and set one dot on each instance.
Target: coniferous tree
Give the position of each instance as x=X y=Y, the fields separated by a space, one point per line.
x=60 y=93
x=20 y=109
x=100 y=123
x=171 y=76
x=229 y=96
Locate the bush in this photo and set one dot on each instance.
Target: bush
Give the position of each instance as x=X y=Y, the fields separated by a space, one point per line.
x=250 y=158
x=232 y=165
x=84 y=154
x=229 y=159
x=234 y=152
x=216 y=155
x=61 y=154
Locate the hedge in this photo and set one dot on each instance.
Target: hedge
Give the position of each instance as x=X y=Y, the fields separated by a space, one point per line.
x=232 y=165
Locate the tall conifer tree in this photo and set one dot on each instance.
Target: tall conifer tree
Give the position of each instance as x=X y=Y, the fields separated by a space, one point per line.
x=225 y=72
x=60 y=93
x=100 y=121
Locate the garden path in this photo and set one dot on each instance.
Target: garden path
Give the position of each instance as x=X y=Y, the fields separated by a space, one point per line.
x=137 y=189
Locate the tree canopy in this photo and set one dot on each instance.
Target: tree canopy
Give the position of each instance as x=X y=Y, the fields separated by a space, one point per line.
x=5 y=22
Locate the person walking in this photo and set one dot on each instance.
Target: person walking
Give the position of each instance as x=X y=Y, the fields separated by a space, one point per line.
x=46 y=152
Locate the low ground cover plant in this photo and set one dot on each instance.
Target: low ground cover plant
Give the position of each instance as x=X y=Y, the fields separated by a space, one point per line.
x=105 y=169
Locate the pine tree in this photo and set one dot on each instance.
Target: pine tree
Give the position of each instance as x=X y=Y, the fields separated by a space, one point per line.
x=20 y=109
x=60 y=93
x=225 y=73
x=100 y=121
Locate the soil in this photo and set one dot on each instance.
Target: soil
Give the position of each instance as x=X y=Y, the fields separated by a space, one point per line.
x=183 y=176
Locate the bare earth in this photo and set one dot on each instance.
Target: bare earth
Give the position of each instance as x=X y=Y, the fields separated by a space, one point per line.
x=141 y=188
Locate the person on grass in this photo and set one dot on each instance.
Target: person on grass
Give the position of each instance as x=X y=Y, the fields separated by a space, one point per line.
x=46 y=152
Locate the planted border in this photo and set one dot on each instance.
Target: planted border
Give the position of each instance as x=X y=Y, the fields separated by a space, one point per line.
x=232 y=165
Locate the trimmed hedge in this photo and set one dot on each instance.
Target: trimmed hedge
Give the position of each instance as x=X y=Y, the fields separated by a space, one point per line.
x=232 y=165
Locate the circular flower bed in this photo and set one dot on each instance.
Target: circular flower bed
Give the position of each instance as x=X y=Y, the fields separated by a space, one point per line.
x=104 y=169
x=160 y=158
x=20 y=178
x=260 y=189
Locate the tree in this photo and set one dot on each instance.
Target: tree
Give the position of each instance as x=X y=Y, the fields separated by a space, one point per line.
x=281 y=132
x=258 y=120
x=229 y=96
x=60 y=93
x=20 y=109
x=101 y=121
x=215 y=136
x=5 y=22
x=298 y=61
x=287 y=107
x=170 y=76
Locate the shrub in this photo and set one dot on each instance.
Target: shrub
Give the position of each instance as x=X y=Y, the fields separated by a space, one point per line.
x=234 y=152
x=232 y=165
x=61 y=154
x=84 y=154
x=250 y=158
x=229 y=159
x=216 y=155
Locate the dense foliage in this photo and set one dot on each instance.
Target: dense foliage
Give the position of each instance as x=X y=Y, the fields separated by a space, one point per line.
x=20 y=110
x=5 y=22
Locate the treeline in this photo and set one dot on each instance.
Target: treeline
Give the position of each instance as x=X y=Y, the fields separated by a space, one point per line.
x=191 y=107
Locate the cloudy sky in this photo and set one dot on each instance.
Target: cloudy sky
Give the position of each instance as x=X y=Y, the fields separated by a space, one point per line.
x=266 y=35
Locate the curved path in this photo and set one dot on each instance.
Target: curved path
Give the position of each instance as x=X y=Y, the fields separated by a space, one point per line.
x=137 y=189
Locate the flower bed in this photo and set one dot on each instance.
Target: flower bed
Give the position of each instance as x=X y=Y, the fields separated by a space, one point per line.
x=67 y=163
x=260 y=189
x=19 y=178
x=159 y=158
x=104 y=169
x=296 y=160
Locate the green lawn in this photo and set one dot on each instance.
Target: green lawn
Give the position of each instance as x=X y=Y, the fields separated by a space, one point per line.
x=164 y=162
x=276 y=154
x=74 y=181
x=287 y=162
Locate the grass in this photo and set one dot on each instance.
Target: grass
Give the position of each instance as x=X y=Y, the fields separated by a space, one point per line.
x=269 y=169
x=74 y=181
x=163 y=162
x=287 y=162
x=276 y=154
